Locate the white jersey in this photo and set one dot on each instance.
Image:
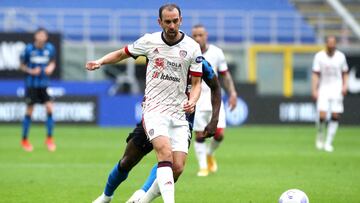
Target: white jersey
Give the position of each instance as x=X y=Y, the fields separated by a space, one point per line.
x=167 y=72
x=330 y=70
x=216 y=58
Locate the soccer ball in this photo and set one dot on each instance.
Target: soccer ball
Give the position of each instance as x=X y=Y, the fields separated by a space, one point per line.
x=293 y=196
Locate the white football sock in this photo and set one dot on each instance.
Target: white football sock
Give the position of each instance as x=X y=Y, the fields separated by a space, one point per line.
x=200 y=150
x=152 y=193
x=320 y=131
x=332 y=128
x=166 y=184
x=214 y=144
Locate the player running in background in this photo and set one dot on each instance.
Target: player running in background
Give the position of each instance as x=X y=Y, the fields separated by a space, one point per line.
x=172 y=56
x=38 y=63
x=215 y=56
x=329 y=86
x=138 y=144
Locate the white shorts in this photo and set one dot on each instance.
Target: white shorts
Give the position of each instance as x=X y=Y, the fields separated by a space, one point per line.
x=178 y=131
x=332 y=105
x=202 y=118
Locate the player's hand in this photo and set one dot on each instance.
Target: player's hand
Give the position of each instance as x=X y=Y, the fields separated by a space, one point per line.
x=48 y=71
x=93 y=65
x=232 y=101
x=189 y=107
x=315 y=95
x=35 y=71
x=210 y=129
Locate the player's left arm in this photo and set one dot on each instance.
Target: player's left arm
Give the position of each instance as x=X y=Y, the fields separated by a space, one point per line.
x=230 y=88
x=49 y=69
x=195 y=92
x=227 y=80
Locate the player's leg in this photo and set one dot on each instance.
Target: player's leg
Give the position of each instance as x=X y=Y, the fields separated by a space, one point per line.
x=137 y=147
x=331 y=132
x=336 y=109
x=50 y=143
x=180 y=143
x=214 y=144
x=157 y=129
x=25 y=143
x=200 y=151
x=30 y=100
x=138 y=194
x=164 y=172
x=322 y=107
x=216 y=141
x=200 y=121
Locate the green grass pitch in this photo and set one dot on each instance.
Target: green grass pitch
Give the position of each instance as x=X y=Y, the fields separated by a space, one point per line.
x=256 y=164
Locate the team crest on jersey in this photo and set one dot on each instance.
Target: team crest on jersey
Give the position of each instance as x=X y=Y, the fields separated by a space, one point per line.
x=182 y=53
x=151 y=132
x=159 y=63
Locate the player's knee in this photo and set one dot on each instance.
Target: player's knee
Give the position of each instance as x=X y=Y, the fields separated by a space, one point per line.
x=335 y=117
x=126 y=163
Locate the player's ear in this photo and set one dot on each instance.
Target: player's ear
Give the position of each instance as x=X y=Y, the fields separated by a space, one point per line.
x=180 y=20
x=159 y=21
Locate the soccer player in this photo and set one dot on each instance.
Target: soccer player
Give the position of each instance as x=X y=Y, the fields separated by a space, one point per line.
x=138 y=145
x=172 y=56
x=215 y=56
x=38 y=63
x=329 y=86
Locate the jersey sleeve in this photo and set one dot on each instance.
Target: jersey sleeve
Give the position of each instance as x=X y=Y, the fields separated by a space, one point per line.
x=316 y=64
x=196 y=63
x=207 y=71
x=222 y=66
x=138 y=48
x=52 y=51
x=25 y=55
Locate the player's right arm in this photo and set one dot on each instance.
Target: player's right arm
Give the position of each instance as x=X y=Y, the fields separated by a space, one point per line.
x=110 y=58
x=315 y=78
x=25 y=58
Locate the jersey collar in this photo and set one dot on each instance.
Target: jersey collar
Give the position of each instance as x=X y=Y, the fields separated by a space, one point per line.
x=176 y=42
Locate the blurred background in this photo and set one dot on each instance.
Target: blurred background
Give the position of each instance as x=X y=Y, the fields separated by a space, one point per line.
x=269 y=47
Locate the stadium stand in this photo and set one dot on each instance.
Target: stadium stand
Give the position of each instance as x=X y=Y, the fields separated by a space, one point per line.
x=232 y=21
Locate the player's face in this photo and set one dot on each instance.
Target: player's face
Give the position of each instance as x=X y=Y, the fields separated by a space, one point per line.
x=331 y=44
x=200 y=35
x=41 y=37
x=170 y=23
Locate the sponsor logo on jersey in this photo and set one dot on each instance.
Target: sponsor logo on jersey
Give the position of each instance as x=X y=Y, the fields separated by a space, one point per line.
x=182 y=53
x=175 y=66
x=199 y=59
x=169 y=78
x=159 y=63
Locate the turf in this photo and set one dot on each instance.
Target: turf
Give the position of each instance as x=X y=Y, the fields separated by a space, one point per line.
x=256 y=164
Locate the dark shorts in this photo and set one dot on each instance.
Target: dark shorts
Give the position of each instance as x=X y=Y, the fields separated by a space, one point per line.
x=36 y=95
x=140 y=139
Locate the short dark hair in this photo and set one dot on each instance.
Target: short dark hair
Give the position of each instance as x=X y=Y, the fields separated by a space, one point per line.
x=169 y=7
x=198 y=26
x=41 y=29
